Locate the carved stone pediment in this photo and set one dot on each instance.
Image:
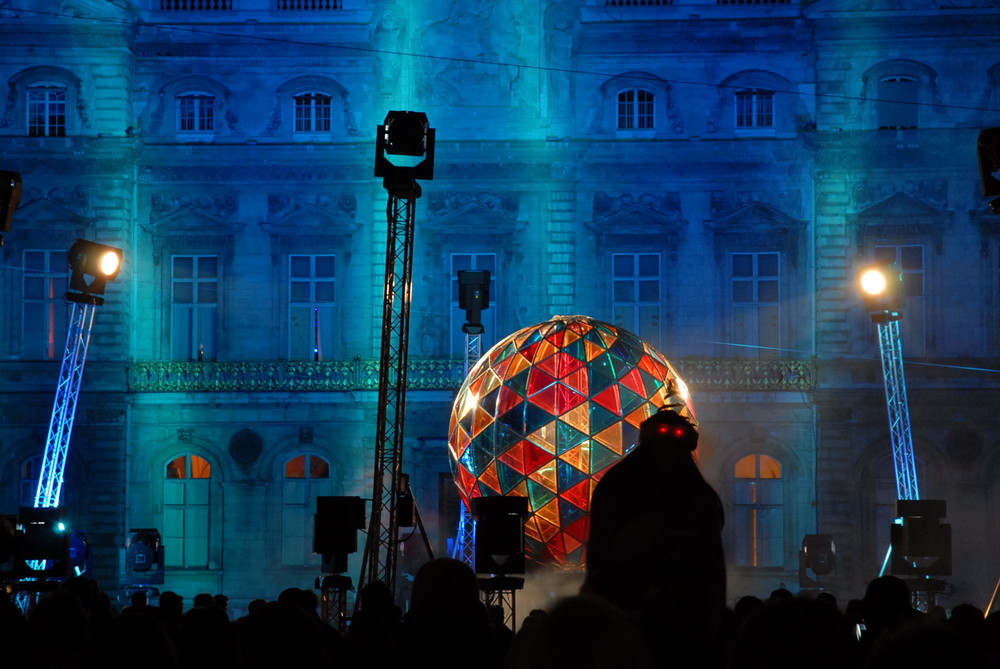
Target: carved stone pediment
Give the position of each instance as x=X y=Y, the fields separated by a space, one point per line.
x=192 y=220
x=755 y=217
x=900 y=218
x=48 y=215
x=473 y=218
x=638 y=221
x=757 y=226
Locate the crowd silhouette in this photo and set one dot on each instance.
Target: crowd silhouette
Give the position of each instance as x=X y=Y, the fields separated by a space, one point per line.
x=654 y=597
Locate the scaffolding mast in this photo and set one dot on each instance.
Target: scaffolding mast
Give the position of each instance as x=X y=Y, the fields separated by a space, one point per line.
x=903 y=459
x=408 y=134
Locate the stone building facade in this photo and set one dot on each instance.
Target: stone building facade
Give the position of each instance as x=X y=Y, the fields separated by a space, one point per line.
x=710 y=175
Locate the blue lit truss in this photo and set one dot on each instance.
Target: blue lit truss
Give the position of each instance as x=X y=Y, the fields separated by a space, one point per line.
x=899 y=414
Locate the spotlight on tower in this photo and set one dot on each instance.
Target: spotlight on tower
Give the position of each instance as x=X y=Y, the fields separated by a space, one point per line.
x=408 y=139
x=91 y=265
x=882 y=289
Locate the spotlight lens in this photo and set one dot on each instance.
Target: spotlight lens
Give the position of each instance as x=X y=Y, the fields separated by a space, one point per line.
x=873 y=282
x=109 y=263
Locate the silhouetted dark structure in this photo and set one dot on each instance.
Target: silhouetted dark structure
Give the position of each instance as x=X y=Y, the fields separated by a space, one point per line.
x=655 y=546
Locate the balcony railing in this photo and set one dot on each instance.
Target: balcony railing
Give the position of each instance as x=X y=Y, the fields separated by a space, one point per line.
x=362 y=374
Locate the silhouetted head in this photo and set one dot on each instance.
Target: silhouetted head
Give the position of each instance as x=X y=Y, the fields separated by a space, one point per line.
x=667 y=428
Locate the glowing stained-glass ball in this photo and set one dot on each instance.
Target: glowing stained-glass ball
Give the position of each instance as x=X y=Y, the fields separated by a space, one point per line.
x=546 y=412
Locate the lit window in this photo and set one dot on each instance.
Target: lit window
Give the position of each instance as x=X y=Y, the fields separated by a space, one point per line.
x=756 y=302
x=194 y=306
x=195 y=112
x=311 y=306
x=186 y=505
x=312 y=112
x=636 y=294
x=47 y=111
x=44 y=312
x=897 y=102
x=759 y=526
x=472 y=261
x=307 y=477
x=754 y=108
x=635 y=109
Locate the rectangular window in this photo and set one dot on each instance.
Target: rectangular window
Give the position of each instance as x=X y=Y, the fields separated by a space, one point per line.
x=46 y=111
x=194 y=307
x=635 y=300
x=635 y=109
x=897 y=102
x=472 y=261
x=756 y=296
x=312 y=112
x=311 y=307
x=44 y=310
x=910 y=260
x=195 y=113
x=759 y=523
x=755 y=109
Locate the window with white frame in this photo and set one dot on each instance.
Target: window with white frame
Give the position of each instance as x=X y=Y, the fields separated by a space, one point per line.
x=909 y=258
x=636 y=303
x=194 y=307
x=311 y=306
x=186 y=506
x=313 y=112
x=754 y=108
x=759 y=524
x=755 y=305
x=195 y=112
x=635 y=109
x=897 y=102
x=306 y=477
x=47 y=110
x=472 y=261
x=44 y=310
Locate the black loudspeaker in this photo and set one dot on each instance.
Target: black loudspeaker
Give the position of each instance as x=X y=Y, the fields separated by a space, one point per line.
x=499 y=534
x=335 y=530
x=44 y=542
x=10 y=198
x=143 y=557
x=921 y=544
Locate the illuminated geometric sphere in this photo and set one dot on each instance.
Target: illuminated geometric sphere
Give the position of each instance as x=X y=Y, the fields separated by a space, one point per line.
x=546 y=412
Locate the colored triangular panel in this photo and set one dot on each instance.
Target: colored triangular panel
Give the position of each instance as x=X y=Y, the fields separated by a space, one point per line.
x=519 y=382
x=568 y=437
x=578 y=380
x=509 y=477
x=544 y=350
x=556 y=338
x=458 y=443
x=567 y=398
x=610 y=399
x=482 y=421
x=507 y=400
x=653 y=367
x=545 y=437
x=518 y=365
x=538 y=381
x=630 y=401
x=633 y=381
x=547 y=399
x=579 y=417
x=601 y=418
x=514 y=458
x=601 y=457
x=466 y=482
x=580 y=529
x=578 y=457
x=592 y=350
x=637 y=416
x=611 y=438
x=534 y=457
x=547 y=476
x=579 y=494
x=536 y=418
x=490 y=479
x=538 y=494
x=568 y=513
x=547 y=530
x=549 y=512
x=568 y=475
x=650 y=382
x=630 y=437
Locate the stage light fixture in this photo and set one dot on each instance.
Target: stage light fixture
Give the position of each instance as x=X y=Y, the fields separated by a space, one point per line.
x=91 y=265
x=406 y=135
x=882 y=289
x=473 y=297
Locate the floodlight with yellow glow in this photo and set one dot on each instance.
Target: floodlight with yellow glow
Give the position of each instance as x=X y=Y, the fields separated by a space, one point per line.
x=91 y=265
x=882 y=288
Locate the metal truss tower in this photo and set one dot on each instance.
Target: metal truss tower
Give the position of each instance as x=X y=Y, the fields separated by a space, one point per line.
x=465 y=538
x=51 y=477
x=903 y=458
x=406 y=134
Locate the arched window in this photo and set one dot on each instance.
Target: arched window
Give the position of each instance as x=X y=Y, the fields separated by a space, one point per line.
x=186 y=505
x=897 y=102
x=635 y=109
x=307 y=477
x=195 y=112
x=754 y=108
x=47 y=110
x=759 y=525
x=313 y=112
